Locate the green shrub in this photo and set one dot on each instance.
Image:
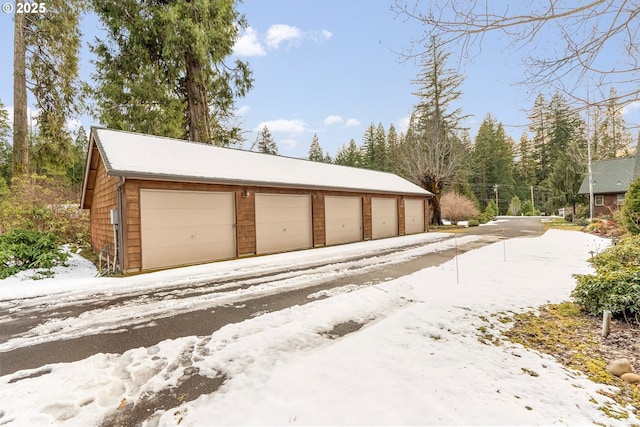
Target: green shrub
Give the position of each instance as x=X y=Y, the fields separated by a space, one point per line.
x=44 y=204
x=529 y=210
x=582 y=222
x=631 y=208
x=615 y=286
x=491 y=209
x=25 y=249
x=484 y=217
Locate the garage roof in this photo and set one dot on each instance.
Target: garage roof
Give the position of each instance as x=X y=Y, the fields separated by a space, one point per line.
x=134 y=155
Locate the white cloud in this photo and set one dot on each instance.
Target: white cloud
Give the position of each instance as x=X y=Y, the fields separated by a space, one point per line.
x=352 y=123
x=631 y=108
x=249 y=44
x=243 y=110
x=279 y=33
x=333 y=120
x=282 y=126
x=325 y=34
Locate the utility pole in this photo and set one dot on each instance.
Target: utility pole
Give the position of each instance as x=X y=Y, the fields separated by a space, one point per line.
x=533 y=206
x=591 y=208
x=495 y=189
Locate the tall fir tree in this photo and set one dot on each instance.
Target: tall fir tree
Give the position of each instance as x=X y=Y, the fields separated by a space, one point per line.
x=568 y=150
x=46 y=57
x=350 y=155
x=80 y=145
x=493 y=164
x=392 y=146
x=433 y=149
x=539 y=126
x=315 y=151
x=265 y=142
x=613 y=139
x=369 y=148
x=162 y=68
x=380 y=151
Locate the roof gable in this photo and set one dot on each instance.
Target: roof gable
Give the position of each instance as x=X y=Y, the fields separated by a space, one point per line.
x=610 y=176
x=133 y=155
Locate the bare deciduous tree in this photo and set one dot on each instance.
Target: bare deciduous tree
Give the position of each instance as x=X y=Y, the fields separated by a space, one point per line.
x=433 y=149
x=582 y=33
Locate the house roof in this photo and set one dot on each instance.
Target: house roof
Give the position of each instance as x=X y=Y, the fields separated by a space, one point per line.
x=134 y=155
x=610 y=176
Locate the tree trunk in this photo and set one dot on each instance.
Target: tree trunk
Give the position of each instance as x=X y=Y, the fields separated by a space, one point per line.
x=434 y=186
x=197 y=105
x=20 y=125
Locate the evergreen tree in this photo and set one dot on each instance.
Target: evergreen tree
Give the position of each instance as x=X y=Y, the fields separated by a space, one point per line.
x=380 y=149
x=369 y=159
x=539 y=126
x=315 y=151
x=46 y=50
x=162 y=70
x=631 y=208
x=526 y=166
x=493 y=164
x=265 y=142
x=350 y=155
x=433 y=150
x=612 y=136
x=568 y=147
x=393 y=141
x=80 y=146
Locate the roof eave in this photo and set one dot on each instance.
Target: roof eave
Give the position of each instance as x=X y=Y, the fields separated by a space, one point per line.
x=223 y=181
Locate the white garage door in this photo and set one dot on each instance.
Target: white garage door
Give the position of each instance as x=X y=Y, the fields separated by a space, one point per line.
x=413 y=216
x=283 y=222
x=186 y=227
x=343 y=219
x=384 y=217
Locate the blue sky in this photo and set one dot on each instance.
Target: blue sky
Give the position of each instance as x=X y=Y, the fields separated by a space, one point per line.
x=331 y=68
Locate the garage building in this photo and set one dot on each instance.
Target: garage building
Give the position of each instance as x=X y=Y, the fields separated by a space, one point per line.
x=158 y=202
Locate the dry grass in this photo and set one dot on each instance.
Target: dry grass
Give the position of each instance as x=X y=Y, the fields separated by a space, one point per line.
x=573 y=338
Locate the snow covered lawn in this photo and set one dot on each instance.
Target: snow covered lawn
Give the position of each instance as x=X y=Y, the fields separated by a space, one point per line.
x=417 y=359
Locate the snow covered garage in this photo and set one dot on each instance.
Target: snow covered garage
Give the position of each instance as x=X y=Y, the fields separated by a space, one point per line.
x=158 y=202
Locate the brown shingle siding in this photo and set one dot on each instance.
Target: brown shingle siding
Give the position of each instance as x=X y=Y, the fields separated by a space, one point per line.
x=317 y=209
x=366 y=217
x=401 y=216
x=245 y=223
x=102 y=201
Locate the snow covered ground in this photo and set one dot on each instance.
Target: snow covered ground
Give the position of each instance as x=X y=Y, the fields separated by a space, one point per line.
x=417 y=359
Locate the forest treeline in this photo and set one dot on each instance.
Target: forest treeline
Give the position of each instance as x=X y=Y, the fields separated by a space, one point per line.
x=166 y=69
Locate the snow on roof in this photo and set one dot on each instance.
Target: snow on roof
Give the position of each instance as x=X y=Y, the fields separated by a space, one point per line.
x=142 y=156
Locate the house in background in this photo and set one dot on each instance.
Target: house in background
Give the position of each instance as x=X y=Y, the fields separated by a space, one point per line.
x=611 y=179
x=159 y=202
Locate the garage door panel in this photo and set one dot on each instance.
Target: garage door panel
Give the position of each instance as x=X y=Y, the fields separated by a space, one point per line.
x=163 y=218
x=384 y=217
x=283 y=222
x=413 y=216
x=180 y=236
x=186 y=227
x=343 y=219
x=183 y=255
